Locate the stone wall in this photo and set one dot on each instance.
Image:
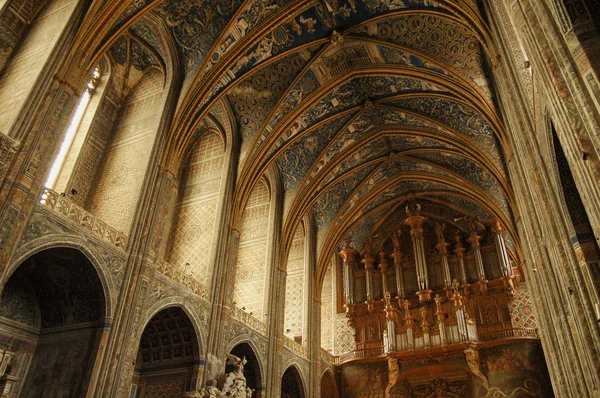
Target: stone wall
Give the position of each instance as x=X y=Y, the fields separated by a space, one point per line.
x=250 y=273
x=21 y=74
x=327 y=311
x=294 y=287
x=196 y=212
x=119 y=179
x=85 y=163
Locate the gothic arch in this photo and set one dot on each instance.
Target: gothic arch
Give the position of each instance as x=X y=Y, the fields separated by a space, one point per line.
x=73 y=242
x=179 y=302
x=63 y=284
x=245 y=347
x=247 y=339
x=292 y=383
x=168 y=340
x=329 y=387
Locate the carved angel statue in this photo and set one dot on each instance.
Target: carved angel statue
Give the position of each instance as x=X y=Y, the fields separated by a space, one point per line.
x=455 y=286
x=367 y=248
x=234 y=379
x=396 y=237
x=439 y=231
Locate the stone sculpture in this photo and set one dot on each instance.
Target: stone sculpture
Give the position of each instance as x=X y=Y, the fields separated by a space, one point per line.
x=218 y=384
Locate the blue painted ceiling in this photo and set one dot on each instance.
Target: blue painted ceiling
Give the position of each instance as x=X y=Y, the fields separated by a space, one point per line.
x=357 y=102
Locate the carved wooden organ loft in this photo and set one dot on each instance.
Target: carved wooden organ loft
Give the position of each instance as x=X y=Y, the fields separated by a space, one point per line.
x=422 y=292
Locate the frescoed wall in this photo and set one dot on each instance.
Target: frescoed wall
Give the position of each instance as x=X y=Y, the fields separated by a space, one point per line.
x=365 y=380
x=518 y=370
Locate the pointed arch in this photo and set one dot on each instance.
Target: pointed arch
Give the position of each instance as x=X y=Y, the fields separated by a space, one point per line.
x=329 y=387
x=292 y=385
x=252 y=370
x=168 y=354
x=53 y=317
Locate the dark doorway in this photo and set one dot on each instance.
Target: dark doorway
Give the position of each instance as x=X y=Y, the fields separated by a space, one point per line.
x=168 y=357
x=52 y=314
x=291 y=384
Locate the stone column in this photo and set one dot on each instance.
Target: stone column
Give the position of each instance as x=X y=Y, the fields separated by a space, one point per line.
x=398 y=264
x=24 y=176
x=442 y=247
x=350 y=257
x=415 y=220
x=474 y=240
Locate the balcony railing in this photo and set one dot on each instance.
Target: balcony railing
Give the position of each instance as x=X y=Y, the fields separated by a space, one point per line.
x=509 y=334
x=357 y=354
x=63 y=206
x=435 y=341
x=182 y=277
x=294 y=347
x=249 y=320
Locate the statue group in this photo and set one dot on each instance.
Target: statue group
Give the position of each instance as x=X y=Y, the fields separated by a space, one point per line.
x=218 y=384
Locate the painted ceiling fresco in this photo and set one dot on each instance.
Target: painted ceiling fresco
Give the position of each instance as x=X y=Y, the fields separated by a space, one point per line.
x=358 y=103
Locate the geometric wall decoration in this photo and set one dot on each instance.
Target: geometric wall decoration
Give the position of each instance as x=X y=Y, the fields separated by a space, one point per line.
x=250 y=273
x=294 y=287
x=196 y=210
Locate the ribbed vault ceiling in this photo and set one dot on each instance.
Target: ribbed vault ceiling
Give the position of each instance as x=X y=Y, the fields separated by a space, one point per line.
x=357 y=104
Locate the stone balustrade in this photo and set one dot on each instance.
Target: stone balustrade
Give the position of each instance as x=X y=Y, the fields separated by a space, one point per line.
x=63 y=206
x=182 y=277
x=249 y=320
x=293 y=346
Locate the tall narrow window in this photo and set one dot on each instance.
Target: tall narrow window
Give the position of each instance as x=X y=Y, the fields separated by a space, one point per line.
x=67 y=144
x=583 y=234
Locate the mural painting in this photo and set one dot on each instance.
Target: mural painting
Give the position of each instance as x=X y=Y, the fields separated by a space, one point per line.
x=518 y=370
x=365 y=381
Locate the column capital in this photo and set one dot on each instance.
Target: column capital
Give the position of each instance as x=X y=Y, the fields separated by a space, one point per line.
x=416 y=225
x=349 y=254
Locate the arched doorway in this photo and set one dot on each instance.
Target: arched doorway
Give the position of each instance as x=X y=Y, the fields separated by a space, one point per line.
x=291 y=384
x=251 y=369
x=52 y=313
x=168 y=356
x=328 y=386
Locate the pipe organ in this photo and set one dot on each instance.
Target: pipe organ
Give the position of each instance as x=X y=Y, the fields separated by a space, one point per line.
x=419 y=291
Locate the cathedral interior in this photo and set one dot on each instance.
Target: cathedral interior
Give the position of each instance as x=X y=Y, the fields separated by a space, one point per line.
x=317 y=198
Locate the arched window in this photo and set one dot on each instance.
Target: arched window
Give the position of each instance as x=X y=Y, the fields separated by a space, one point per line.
x=70 y=148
